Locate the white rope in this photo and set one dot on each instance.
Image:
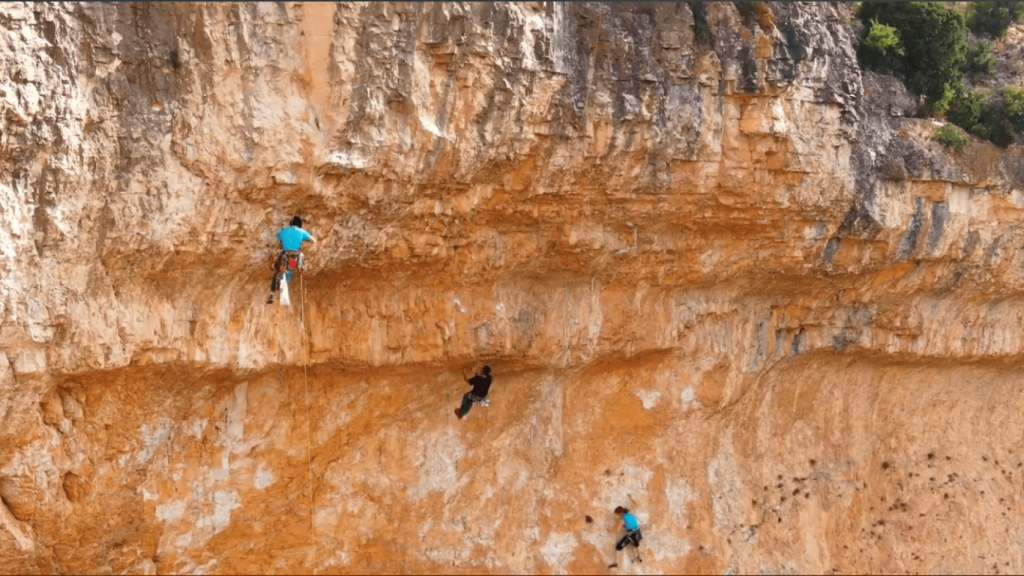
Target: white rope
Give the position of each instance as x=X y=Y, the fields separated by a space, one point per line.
x=305 y=393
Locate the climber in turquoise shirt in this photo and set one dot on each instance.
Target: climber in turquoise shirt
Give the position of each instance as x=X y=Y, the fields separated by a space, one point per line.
x=292 y=237
x=291 y=257
x=632 y=537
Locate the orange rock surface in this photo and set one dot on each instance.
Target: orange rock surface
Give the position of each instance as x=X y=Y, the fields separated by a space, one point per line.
x=726 y=283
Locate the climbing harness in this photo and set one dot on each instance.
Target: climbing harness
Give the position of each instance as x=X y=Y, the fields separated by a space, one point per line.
x=289 y=261
x=285 y=265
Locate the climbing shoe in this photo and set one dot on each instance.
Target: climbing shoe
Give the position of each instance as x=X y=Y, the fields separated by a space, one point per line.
x=270 y=300
x=458 y=412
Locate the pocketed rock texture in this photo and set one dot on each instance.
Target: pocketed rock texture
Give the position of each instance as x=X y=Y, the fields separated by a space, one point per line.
x=721 y=277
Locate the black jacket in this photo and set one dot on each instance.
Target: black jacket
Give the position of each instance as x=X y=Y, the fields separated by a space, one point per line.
x=481 y=385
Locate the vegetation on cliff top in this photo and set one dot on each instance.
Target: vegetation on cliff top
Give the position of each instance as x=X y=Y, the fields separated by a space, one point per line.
x=933 y=47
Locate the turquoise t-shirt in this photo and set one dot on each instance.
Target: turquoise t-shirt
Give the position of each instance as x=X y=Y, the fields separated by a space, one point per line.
x=291 y=237
x=631 y=521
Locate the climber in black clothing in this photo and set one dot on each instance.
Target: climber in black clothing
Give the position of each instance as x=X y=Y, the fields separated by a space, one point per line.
x=481 y=384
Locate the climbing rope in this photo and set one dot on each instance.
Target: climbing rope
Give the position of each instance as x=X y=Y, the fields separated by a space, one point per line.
x=305 y=394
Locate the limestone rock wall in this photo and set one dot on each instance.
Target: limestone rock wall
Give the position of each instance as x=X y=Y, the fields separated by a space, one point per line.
x=720 y=276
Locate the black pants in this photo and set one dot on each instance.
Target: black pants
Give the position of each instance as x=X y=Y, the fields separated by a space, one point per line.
x=631 y=537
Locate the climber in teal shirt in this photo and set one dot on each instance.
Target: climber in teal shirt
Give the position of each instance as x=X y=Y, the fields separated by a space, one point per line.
x=291 y=257
x=292 y=237
x=633 y=535
x=629 y=522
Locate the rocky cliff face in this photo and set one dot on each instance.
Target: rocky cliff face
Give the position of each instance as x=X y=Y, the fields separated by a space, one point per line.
x=719 y=275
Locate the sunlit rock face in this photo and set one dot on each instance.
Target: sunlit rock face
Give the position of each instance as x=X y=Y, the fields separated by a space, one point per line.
x=721 y=277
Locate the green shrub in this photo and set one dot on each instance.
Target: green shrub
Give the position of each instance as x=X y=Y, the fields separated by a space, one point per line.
x=884 y=43
x=1013 y=104
x=952 y=136
x=980 y=59
x=1000 y=131
x=995 y=116
x=882 y=38
x=966 y=108
x=993 y=18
